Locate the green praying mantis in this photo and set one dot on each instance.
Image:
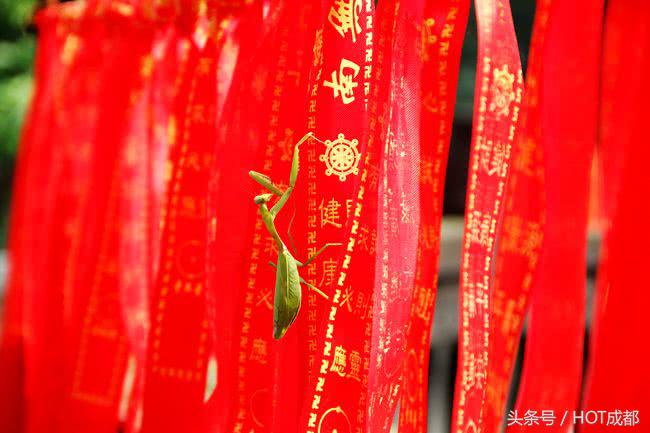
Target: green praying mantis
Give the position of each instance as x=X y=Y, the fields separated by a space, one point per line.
x=288 y=291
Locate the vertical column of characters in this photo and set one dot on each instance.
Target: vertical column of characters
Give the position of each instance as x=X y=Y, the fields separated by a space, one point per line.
x=521 y=238
x=499 y=91
x=341 y=363
x=101 y=350
x=398 y=214
x=255 y=351
x=178 y=340
x=441 y=32
x=317 y=71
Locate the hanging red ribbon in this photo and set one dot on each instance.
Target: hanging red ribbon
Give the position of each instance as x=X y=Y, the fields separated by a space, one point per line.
x=614 y=385
x=571 y=56
x=521 y=237
x=177 y=357
x=341 y=181
x=496 y=111
x=439 y=38
x=16 y=330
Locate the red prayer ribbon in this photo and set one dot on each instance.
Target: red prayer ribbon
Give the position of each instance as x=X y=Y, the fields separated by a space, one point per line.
x=556 y=325
x=616 y=381
x=496 y=110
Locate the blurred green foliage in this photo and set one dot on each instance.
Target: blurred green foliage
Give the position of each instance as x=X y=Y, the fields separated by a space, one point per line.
x=16 y=59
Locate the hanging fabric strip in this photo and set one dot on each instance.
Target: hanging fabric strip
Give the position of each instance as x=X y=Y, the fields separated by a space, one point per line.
x=439 y=38
x=65 y=326
x=33 y=159
x=243 y=321
x=614 y=385
x=521 y=237
x=96 y=271
x=496 y=110
x=42 y=303
x=177 y=359
x=265 y=112
x=291 y=359
x=341 y=196
x=398 y=211
x=161 y=68
x=571 y=57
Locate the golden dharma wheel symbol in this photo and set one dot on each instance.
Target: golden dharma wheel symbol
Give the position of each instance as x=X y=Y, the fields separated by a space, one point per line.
x=341 y=157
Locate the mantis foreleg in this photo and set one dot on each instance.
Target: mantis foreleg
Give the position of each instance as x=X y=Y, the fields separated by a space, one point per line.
x=295 y=166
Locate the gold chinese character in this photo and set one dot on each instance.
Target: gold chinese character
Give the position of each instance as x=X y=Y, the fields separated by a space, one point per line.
x=340 y=361
x=367 y=239
x=479 y=228
x=197 y=113
x=355 y=365
x=265 y=298
x=532 y=241
x=346 y=298
x=191 y=207
x=427 y=38
x=329 y=270
x=270 y=247
x=423 y=303
x=512 y=231
x=493 y=157
x=318 y=48
x=430 y=236
x=146 y=66
x=329 y=213
x=503 y=92
x=259 y=351
x=405 y=208
x=286 y=145
x=426 y=171
x=523 y=158
x=344 y=16
x=204 y=65
x=342 y=83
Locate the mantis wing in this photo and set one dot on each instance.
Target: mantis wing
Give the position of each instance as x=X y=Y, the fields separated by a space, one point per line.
x=287 y=295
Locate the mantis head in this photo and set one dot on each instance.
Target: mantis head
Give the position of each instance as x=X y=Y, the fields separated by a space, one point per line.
x=263 y=198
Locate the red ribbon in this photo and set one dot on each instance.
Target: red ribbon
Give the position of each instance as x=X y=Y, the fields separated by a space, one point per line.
x=17 y=332
x=614 y=383
x=571 y=46
x=496 y=111
x=521 y=237
x=440 y=33
x=177 y=357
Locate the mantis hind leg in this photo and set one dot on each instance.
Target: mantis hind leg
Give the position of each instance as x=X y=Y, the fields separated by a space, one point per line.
x=314 y=288
x=318 y=253
x=293 y=245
